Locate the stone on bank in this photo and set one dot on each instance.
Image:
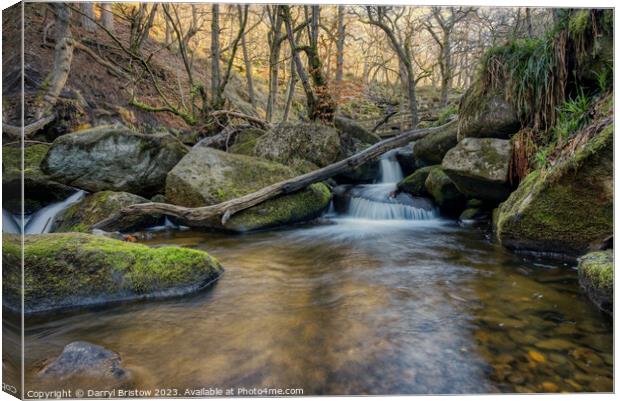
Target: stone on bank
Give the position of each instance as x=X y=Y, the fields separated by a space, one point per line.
x=73 y=269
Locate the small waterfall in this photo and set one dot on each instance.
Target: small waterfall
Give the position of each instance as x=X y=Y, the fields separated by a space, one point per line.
x=390 y=169
x=382 y=202
x=367 y=209
x=42 y=220
x=10 y=225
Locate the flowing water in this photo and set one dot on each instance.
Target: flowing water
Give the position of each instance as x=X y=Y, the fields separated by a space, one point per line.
x=42 y=220
x=358 y=306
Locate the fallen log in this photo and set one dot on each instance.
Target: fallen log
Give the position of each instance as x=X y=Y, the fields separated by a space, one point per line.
x=216 y=216
x=15 y=132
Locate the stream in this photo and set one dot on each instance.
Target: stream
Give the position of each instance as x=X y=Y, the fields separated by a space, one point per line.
x=387 y=299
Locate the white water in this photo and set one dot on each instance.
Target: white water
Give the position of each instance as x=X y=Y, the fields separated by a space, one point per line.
x=10 y=224
x=390 y=169
x=42 y=220
x=379 y=201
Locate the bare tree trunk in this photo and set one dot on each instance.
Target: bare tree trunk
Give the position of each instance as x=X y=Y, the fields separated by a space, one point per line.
x=340 y=44
x=275 y=45
x=291 y=92
x=216 y=216
x=528 y=21
x=107 y=18
x=63 y=54
x=87 y=20
x=248 y=63
x=215 y=52
x=446 y=68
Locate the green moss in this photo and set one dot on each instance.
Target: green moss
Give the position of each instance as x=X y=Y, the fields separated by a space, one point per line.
x=414 y=183
x=11 y=161
x=63 y=270
x=598 y=268
x=98 y=206
x=244 y=148
x=566 y=208
x=303 y=205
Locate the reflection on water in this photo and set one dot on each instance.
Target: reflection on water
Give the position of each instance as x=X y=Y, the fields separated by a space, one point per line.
x=356 y=307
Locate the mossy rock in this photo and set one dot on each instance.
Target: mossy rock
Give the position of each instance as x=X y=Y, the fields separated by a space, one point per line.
x=567 y=209
x=316 y=143
x=596 y=276
x=39 y=189
x=486 y=114
x=100 y=205
x=479 y=168
x=207 y=176
x=245 y=141
x=113 y=158
x=447 y=196
x=74 y=269
x=431 y=149
x=304 y=205
x=415 y=183
x=352 y=128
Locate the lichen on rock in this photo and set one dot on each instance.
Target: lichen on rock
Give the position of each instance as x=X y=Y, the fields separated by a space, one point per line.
x=596 y=276
x=101 y=205
x=303 y=205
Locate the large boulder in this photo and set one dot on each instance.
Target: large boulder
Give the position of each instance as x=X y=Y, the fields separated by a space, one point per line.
x=74 y=269
x=207 y=176
x=596 y=276
x=39 y=189
x=316 y=143
x=245 y=141
x=84 y=360
x=304 y=205
x=113 y=158
x=415 y=183
x=447 y=196
x=565 y=209
x=100 y=205
x=479 y=168
x=486 y=114
x=431 y=149
x=353 y=129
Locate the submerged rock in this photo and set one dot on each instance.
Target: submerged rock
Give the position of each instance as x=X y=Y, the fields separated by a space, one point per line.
x=352 y=128
x=447 y=196
x=81 y=359
x=485 y=114
x=566 y=209
x=208 y=176
x=113 y=158
x=306 y=204
x=414 y=184
x=431 y=149
x=479 y=168
x=100 y=205
x=316 y=143
x=73 y=269
x=39 y=188
x=596 y=276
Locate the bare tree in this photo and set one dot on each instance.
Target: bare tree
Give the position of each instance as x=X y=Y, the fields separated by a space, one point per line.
x=107 y=18
x=63 y=55
x=446 y=20
x=318 y=98
x=379 y=17
x=340 y=43
x=87 y=19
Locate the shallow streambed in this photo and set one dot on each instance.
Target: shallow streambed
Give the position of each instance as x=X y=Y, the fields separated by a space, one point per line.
x=356 y=307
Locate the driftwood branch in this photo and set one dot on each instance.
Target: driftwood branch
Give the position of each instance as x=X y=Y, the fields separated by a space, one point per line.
x=384 y=120
x=262 y=123
x=216 y=216
x=15 y=132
